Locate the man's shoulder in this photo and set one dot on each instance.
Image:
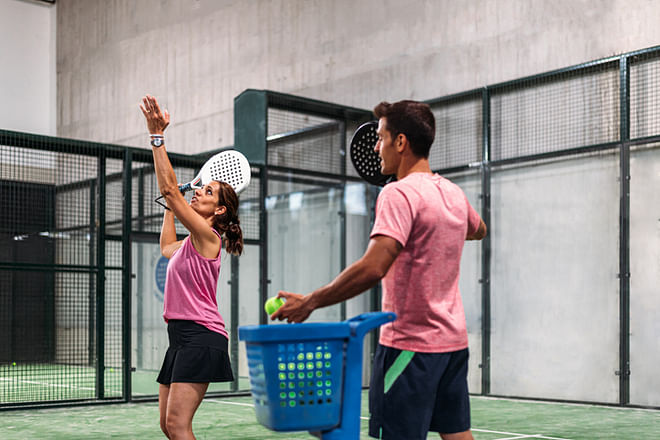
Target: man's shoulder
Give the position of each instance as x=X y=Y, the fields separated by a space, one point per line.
x=420 y=182
x=397 y=190
x=423 y=186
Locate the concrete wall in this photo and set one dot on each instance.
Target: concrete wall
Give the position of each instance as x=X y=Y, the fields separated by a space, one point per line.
x=27 y=66
x=197 y=55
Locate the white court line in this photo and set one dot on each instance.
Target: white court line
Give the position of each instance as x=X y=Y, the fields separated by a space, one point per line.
x=46 y=384
x=517 y=435
x=229 y=403
x=55 y=385
x=550 y=438
x=496 y=432
x=559 y=403
x=539 y=436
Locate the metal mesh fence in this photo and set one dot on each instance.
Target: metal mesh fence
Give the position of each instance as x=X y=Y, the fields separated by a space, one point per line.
x=47 y=258
x=282 y=121
x=113 y=359
x=249 y=209
x=553 y=113
x=280 y=185
x=644 y=95
x=305 y=142
x=62 y=329
x=147 y=215
x=75 y=226
x=348 y=134
x=113 y=197
x=74 y=318
x=458 y=132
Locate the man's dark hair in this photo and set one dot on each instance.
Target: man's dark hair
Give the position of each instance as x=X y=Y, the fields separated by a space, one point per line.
x=412 y=118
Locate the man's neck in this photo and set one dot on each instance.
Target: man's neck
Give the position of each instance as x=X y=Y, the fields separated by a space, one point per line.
x=416 y=165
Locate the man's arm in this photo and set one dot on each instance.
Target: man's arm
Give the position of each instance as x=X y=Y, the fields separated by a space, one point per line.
x=362 y=275
x=479 y=233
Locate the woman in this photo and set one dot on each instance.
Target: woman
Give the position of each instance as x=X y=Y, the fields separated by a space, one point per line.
x=197 y=354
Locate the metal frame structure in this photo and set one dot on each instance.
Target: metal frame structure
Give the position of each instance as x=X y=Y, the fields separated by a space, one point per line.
x=623 y=144
x=253 y=139
x=101 y=232
x=251 y=127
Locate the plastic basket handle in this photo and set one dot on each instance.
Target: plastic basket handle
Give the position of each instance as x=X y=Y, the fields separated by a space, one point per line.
x=362 y=324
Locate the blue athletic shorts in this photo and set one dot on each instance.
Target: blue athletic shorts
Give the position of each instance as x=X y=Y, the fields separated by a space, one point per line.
x=413 y=393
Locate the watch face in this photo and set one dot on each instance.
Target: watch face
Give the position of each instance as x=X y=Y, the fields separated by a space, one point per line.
x=157 y=142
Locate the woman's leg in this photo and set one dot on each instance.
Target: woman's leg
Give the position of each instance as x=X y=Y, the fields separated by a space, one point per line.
x=163 y=392
x=183 y=400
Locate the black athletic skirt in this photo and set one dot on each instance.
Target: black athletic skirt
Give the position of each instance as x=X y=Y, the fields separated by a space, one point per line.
x=196 y=354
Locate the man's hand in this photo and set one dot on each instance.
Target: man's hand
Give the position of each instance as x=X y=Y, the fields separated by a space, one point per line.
x=296 y=308
x=480 y=233
x=362 y=275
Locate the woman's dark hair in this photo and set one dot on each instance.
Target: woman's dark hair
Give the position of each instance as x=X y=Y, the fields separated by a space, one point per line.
x=228 y=224
x=413 y=119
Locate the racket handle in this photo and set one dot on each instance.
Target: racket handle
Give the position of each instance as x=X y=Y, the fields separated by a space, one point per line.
x=185 y=188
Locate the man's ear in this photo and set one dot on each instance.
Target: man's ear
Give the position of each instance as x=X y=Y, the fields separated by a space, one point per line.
x=220 y=210
x=400 y=142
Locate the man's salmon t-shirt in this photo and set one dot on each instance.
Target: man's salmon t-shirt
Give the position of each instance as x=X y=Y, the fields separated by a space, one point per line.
x=430 y=217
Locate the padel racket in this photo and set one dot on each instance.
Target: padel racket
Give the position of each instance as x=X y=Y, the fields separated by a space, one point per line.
x=365 y=160
x=228 y=166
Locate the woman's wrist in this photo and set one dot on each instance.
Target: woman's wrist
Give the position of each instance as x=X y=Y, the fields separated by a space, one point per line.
x=157 y=140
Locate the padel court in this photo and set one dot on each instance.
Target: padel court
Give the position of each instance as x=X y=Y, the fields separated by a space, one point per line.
x=561 y=298
x=233 y=418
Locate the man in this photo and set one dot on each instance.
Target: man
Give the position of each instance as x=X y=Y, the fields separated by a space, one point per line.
x=419 y=377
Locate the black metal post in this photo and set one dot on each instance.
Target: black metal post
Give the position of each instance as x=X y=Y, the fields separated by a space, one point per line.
x=100 y=278
x=263 y=247
x=139 y=362
x=624 y=236
x=342 y=212
x=126 y=275
x=485 y=246
x=375 y=294
x=233 y=316
x=91 y=303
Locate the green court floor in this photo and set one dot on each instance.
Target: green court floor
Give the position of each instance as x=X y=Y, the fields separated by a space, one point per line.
x=233 y=418
x=25 y=383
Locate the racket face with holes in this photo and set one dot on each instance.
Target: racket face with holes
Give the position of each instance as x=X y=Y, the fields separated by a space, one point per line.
x=365 y=160
x=228 y=166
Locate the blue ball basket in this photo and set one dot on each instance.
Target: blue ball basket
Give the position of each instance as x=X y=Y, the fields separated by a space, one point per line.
x=308 y=377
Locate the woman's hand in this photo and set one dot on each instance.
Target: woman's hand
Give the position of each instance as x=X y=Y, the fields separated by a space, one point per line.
x=157 y=121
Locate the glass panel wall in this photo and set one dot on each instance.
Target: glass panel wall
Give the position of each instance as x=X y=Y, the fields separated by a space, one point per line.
x=554 y=285
x=304 y=240
x=470 y=285
x=645 y=276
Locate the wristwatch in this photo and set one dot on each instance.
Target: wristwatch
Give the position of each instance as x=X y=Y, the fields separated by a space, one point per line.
x=157 y=141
